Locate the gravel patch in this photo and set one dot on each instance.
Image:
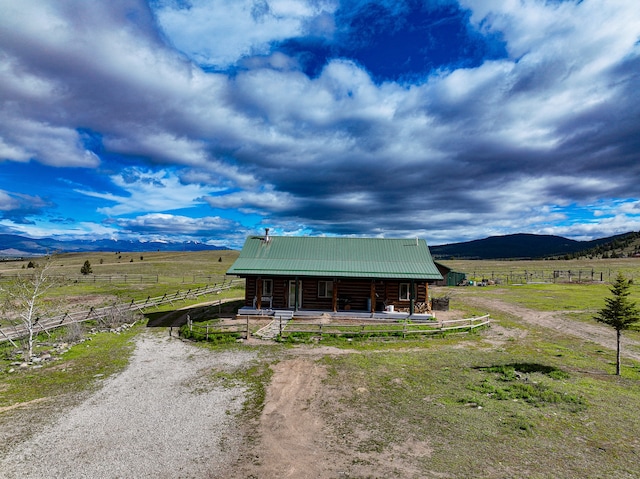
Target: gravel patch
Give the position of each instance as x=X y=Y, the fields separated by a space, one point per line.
x=158 y=418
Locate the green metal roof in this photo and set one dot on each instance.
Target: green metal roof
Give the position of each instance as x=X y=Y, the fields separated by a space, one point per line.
x=336 y=257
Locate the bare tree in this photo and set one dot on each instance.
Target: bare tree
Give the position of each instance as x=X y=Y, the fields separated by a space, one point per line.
x=23 y=300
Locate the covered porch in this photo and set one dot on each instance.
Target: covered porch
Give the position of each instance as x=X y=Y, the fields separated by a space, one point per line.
x=248 y=311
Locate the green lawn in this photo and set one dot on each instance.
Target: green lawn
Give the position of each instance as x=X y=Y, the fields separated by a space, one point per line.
x=513 y=402
x=557 y=412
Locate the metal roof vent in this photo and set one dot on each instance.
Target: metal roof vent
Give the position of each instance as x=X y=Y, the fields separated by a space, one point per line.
x=266 y=235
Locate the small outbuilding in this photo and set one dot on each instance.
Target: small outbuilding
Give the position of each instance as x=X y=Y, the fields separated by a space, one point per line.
x=335 y=274
x=450 y=277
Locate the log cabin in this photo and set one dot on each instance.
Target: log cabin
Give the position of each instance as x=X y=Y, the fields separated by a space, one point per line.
x=331 y=274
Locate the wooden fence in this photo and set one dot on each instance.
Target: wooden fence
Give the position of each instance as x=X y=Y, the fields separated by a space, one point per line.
x=88 y=278
x=136 y=278
x=397 y=329
x=19 y=330
x=206 y=331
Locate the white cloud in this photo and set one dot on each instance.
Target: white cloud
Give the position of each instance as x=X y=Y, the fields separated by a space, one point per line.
x=43 y=229
x=7 y=202
x=590 y=32
x=155 y=223
x=259 y=201
x=22 y=140
x=150 y=192
x=220 y=32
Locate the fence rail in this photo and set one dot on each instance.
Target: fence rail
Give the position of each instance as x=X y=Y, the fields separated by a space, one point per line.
x=290 y=328
x=116 y=278
x=102 y=314
x=542 y=276
x=206 y=331
x=402 y=329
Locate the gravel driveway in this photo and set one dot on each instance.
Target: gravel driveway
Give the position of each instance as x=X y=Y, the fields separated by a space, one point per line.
x=159 y=418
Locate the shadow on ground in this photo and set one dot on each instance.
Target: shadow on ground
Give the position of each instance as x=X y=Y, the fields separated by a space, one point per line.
x=197 y=313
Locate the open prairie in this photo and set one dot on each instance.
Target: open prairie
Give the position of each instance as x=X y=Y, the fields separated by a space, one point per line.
x=534 y=395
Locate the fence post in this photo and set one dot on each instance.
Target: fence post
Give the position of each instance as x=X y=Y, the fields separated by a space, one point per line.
x=247 y=335
x=207 y=333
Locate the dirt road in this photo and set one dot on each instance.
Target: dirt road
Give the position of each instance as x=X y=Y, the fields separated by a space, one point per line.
x=162 y=417
x=556 y=321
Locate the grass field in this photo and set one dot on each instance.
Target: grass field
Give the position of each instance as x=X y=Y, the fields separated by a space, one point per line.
x=135 y=275
x=513 y=401
x=537 y=270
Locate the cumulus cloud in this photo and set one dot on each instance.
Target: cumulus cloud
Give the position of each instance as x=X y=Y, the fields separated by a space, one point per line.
x=24 y=140
x=219 y=33
x=540 y=120
x=262 y=201
x=145 y=190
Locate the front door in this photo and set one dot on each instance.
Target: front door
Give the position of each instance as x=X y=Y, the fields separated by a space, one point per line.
x=292 y=294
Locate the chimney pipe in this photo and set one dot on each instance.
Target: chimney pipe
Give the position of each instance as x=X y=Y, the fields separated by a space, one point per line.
x=266 y=235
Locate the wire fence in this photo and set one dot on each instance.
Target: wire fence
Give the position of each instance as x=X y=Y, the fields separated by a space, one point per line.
x=106 y=313
x=483 y=277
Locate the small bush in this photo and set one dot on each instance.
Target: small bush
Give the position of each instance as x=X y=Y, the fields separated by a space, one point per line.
x=86 y=268
x=73 y=333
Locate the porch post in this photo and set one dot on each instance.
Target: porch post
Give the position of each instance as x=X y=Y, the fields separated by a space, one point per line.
x=296 y=292
x=412 y=297
x=259 y=293
x=426 y=295
x=386 y=292
x=334 y=300
x=373 y=296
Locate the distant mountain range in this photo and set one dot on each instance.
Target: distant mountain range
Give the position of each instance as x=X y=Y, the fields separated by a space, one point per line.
x=528 y=246
x=12 y=246
x=516 y=246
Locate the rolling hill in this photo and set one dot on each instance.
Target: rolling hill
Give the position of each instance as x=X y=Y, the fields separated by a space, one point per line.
x=531 y=246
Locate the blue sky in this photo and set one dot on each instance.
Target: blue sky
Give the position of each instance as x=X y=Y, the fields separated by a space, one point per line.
x=209 y=120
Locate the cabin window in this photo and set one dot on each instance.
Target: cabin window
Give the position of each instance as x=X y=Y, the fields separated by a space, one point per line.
x=267 y=287
x=405 y=291
x=325 y=289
